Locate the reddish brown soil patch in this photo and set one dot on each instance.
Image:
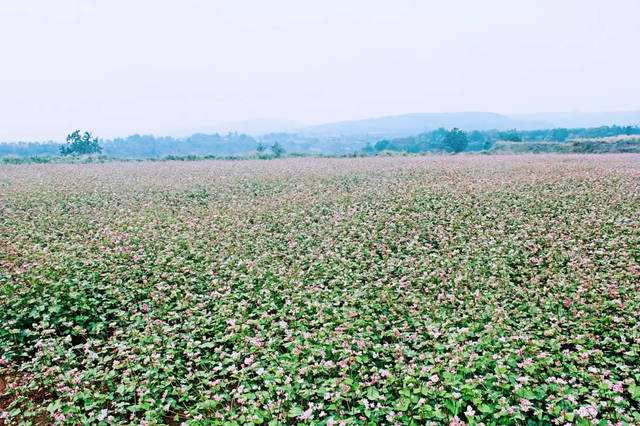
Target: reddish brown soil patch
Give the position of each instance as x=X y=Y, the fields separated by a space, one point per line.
x=37 y=397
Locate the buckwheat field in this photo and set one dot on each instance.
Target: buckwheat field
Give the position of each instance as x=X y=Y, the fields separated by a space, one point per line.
x=389 y=290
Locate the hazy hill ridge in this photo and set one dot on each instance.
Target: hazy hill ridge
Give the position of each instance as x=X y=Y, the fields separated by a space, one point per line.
x=411 y=124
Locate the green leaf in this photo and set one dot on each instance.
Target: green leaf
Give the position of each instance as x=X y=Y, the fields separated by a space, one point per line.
x=295 y=411
x=485 y=409
x=373 y=394
x=402 y=404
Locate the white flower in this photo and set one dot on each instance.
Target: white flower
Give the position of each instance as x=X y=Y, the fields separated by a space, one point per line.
x=103 y=415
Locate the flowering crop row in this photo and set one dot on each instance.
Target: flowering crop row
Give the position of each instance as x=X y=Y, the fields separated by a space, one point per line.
x=413 y=290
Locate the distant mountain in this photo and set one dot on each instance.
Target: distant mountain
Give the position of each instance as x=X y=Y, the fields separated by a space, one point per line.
x=583 y=119
x=258 y=126
x=411 y=124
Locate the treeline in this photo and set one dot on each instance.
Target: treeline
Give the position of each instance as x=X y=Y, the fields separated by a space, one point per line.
x=201 y=145
x=147 y=146
x=436 y=140
x=241 y=145
x=577 y=146
x=29 y=149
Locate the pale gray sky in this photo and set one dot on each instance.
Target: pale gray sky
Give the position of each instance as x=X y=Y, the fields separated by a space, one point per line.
x=174 y=67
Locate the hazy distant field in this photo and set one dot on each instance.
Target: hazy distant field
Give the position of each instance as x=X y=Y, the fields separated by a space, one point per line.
x=403 y=290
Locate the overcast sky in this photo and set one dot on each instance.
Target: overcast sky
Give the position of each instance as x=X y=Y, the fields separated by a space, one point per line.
x=174 y=67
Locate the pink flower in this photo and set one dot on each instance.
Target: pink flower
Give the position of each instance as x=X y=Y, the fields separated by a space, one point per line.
x=617 y=387
x=527 y=362
x=588 y=411
x=307 y=414
x=525 y=405
x=470 y=412
x=456 y=422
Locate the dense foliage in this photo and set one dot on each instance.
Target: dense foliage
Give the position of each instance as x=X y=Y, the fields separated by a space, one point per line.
x=585 y=146
x=434 y=141
x=404 y=290
x=148 y=146
x=200 y=144
x=456 y=140
x=277 y=150
x=234 y=144
x=80 y=144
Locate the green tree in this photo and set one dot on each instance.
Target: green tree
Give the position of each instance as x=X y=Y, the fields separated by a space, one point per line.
x=80 y=144
x=477 y=137
x=456 y=140
x=369 y=149
x=559 y=134
x=278 y=150
x=381 y=145
x=510 y=136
